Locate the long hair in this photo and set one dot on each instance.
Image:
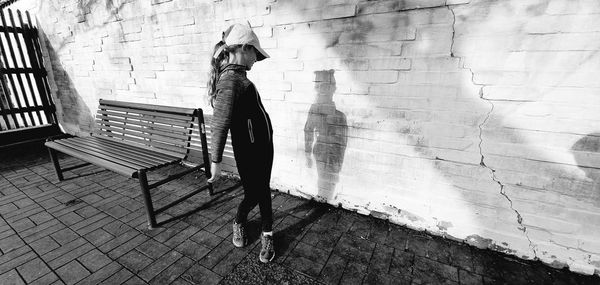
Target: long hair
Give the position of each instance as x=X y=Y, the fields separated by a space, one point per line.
x=215 y=67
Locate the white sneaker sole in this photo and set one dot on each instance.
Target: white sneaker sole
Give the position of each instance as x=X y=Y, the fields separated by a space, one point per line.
x=265 y=260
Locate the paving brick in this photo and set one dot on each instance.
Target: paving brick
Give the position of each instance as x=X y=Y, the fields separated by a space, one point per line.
x=70 y=255
x=170 y=232
x=159 y=265
x=41 y=217
x=22 y=224
x=34 y=230
x=173 y=272
x=181 y=236
x=434 y=269
x=419 y=245
x=192 y=250
x=466 y=277
x=381 y=259
x=10 y=243
x=135 y=261
x=87 y=212
x=33 y=270
x=309 y=252
x=402 y=263
x=64 y=236
x=98 y=237
x=215 y=255
x=354 y=247
x=135 y=280
x=231 y=260
x=91 y=224
x=11 y=277
x=94 y=260
x=70 y=218
x=44 y=245
x=376 y=278
x=333 y=270
x=15 y=258
x=49 y=278
x=198 y=274
x=118 y=276
x=72 y=272
x=152 y=249
x=304 y=265
x=397 y=238
x=42 y=233
x=206 y=238
x=64 y=250
x=127 y=246
x=6 y=231
x=117 y=241
x=354 y=273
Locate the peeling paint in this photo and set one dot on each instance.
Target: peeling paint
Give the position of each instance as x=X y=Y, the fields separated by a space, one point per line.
x=558 y=264
x=486 y=243
x=444 y=225
x=380 y=215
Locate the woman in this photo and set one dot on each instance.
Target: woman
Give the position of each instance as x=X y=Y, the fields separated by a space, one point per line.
x=237 y=107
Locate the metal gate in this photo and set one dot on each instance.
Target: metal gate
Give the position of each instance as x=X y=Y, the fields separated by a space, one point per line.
x=25 y=101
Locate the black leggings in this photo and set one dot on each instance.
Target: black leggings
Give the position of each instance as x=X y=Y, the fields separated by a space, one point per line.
x=255 y=173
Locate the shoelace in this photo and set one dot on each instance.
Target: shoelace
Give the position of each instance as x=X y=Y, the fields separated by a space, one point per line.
x=268 y=244
x=240 y=231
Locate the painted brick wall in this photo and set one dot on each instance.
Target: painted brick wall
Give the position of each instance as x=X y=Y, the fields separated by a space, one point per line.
x=477 y=120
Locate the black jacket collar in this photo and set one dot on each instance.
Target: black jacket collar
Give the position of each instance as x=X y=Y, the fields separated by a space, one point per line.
x=234 y=67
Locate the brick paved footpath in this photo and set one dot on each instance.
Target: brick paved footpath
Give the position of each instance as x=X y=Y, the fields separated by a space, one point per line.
x=91 y=229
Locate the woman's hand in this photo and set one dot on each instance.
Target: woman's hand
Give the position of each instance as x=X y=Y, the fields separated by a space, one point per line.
x=215 y=170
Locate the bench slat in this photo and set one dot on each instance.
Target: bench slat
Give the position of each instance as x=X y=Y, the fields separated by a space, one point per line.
x=124 y=170
x=100 y=153
x=165 y=128
x=175 y=117
x=127 y=154
x=142 y=152
x=119 y=125
x=156 y=146
x=148 y=138
x=171 y=109
x=108 y=114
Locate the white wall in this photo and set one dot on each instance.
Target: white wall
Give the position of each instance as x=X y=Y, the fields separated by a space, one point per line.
x=476 y=120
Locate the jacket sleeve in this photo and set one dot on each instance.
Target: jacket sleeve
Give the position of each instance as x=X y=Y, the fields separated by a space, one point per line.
x=221 y=122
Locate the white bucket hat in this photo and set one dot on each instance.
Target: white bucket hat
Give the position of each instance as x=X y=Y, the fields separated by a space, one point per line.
x=239 y=35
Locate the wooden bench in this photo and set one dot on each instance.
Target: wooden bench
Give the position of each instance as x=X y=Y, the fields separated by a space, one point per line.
x=132 y=139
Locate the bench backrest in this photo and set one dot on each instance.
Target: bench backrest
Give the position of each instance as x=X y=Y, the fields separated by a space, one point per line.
x=228 y=162
x=163 y=129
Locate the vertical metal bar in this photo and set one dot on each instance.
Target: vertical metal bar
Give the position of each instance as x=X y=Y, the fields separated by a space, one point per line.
x=54 y=159
x=202 y=129
x=36 y=63
x=22 y=52
x=6 y=98
x=19 y=80
x=46 y=87
x=8 y=75
x=147 y=199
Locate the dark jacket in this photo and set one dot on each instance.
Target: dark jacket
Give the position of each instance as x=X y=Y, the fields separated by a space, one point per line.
x=238 y=107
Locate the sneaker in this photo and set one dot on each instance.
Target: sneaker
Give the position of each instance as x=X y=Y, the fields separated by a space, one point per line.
x=267 y=252
x=239 y=235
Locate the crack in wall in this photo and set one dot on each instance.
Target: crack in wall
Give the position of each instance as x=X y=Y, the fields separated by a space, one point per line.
x=522 y=227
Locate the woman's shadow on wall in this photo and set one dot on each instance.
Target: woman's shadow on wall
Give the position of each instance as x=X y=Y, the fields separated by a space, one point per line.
x=325 y=135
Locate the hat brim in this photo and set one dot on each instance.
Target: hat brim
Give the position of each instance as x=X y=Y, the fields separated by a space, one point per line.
x=261 y=53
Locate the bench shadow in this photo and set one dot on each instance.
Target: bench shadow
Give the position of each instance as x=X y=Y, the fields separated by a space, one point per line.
x=214 y=201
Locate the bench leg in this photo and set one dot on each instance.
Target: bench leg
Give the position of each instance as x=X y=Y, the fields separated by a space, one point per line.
x=54 y=159
x=147 y=199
